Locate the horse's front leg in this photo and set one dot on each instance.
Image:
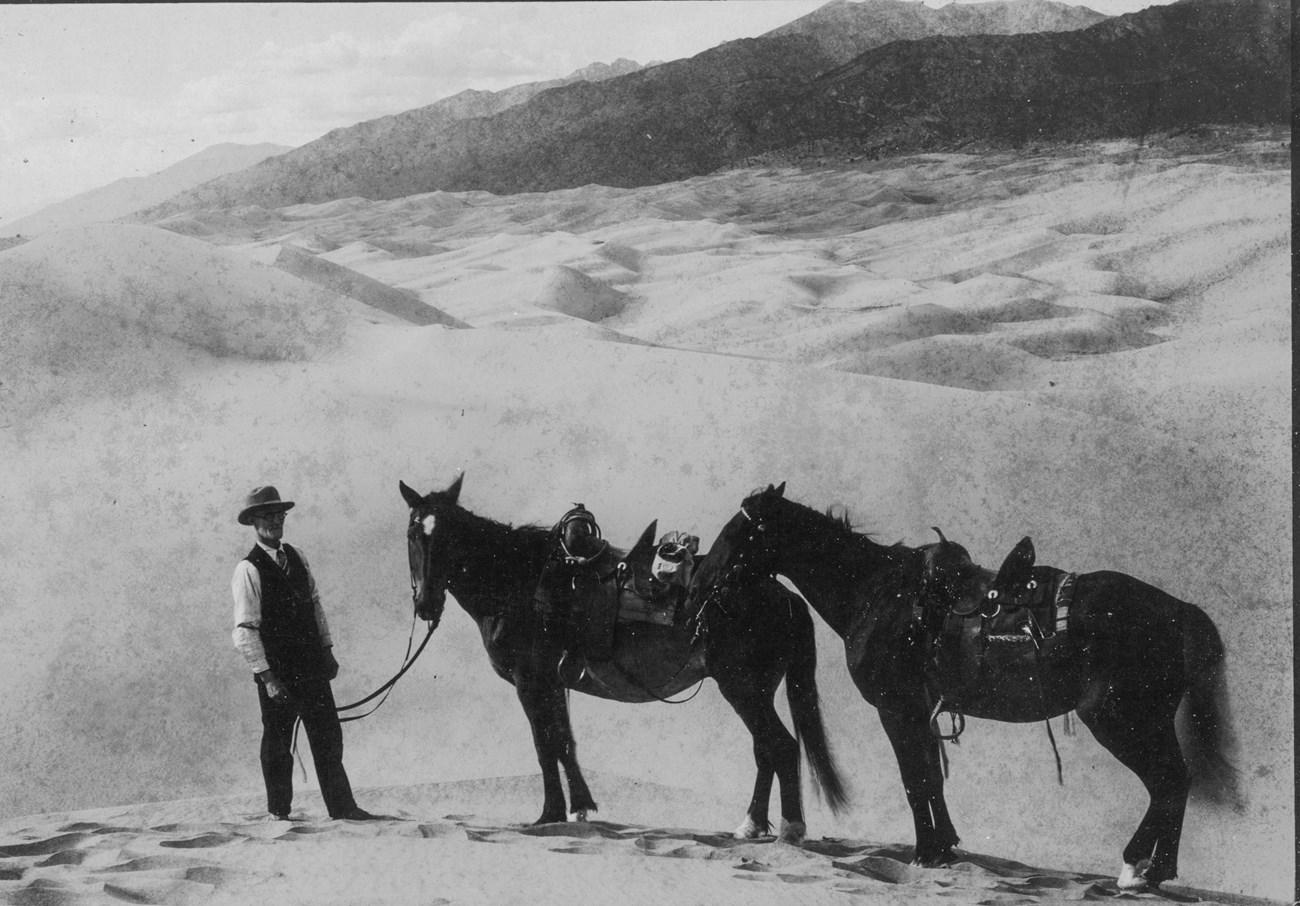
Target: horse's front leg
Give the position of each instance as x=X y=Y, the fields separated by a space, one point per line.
x=756 y=823
x=908 y=727
x=550 y=727
x=580 y=798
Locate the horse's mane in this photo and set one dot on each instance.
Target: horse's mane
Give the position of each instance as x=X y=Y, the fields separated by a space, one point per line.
x=839 y=513
x=842 y=520
x=492 y=539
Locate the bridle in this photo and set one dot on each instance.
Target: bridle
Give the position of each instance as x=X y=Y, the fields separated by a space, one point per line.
x=414 y=534
x=740 y=569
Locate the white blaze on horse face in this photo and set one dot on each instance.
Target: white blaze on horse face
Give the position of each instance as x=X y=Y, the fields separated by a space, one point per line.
x=429 y=523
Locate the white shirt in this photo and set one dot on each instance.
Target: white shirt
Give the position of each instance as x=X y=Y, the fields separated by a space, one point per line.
x=246 y=586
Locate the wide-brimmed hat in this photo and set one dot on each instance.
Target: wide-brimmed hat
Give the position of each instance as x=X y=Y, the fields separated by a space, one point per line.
x=261 y=501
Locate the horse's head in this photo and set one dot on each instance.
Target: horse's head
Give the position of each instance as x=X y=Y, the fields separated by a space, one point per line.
x=743 y=550
x=950 y=580
x=431 y=540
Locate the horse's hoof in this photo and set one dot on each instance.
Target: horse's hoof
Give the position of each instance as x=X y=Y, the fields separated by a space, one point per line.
x=1134 y=877
x=750 y=829
x=934 y=860
x=580 y=815
x=546 y=819
x=792 y=832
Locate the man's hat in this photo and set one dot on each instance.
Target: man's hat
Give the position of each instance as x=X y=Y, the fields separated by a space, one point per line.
x=265 y=499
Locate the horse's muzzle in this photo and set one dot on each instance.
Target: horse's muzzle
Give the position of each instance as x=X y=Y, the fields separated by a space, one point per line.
x=429 y=607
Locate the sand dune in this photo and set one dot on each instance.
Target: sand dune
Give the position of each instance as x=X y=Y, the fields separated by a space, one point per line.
x=448 y=844
x=335 y=277
x=1088 y=345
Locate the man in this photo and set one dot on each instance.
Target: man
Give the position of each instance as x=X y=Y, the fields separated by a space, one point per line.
x=281 y=630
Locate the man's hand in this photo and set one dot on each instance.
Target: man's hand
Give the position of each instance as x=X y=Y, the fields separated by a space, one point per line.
x=275 y=690
x=331 y=665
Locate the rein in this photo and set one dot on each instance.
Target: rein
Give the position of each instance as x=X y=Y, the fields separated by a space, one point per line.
x=408 y=660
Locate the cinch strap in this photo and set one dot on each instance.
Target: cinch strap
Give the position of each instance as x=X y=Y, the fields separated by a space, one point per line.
x=1064 y=595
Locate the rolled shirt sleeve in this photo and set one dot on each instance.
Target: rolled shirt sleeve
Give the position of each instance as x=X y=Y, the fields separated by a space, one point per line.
x=246 y=587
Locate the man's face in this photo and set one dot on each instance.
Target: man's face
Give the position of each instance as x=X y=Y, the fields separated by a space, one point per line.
x=270 y=528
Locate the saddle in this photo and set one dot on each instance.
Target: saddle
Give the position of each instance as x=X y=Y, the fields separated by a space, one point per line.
x=995 y=646
x=657 y=596
x=585 y=590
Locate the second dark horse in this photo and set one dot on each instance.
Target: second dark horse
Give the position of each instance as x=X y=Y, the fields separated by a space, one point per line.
x=492 y=570
x=1128 y=656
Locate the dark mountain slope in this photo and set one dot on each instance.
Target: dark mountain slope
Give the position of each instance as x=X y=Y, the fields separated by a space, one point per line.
x=847 y=29
x=475 y=103
x=1196 y=61
x=660 y=124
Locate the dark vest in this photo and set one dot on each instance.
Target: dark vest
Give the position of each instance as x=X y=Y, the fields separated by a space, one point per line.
x=289 y=632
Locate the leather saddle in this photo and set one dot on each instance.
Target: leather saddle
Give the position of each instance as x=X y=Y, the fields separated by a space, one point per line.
x=993 y=644
x=605 y=590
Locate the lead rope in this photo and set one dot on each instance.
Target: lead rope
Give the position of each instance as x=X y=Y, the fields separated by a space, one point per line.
x=297 y=722
x=408 y=660
x=386 y=690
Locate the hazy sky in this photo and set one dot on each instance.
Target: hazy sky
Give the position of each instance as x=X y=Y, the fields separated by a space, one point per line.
x=97 y=92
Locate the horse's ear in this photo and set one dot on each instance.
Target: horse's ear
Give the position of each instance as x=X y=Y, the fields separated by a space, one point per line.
x=412 y=498
x=779 y=490
x=454 y=491
x=1016 y=567
x=942 y=539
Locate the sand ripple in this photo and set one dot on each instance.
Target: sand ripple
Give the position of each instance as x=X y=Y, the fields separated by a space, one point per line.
x=233 y=860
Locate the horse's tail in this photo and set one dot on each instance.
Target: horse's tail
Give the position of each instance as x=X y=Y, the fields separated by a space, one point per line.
x=1207 y=736
x=806 y=712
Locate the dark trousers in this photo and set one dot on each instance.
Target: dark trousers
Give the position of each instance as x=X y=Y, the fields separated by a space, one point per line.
x=313 y=701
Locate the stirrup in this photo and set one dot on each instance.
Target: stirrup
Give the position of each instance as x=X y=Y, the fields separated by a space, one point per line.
x=958 y=722
x=565 y=664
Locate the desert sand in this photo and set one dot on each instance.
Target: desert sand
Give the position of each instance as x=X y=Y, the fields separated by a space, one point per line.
x=1090 y=345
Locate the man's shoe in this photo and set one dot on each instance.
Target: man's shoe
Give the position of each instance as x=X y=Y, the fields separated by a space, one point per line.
x=276 y=816
x=358 y=814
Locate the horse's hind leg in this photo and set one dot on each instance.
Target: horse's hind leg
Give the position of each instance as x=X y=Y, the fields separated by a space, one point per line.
x=1152 y=753
x=776 y=751
x=756 y=823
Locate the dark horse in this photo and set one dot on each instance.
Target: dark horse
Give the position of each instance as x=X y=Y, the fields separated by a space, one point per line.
x=1126 y=656
x=493 y=570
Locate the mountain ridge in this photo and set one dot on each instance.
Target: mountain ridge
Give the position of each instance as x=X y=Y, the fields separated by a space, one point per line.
x=1196 y=61
x=124 y=196
x=849 y=28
